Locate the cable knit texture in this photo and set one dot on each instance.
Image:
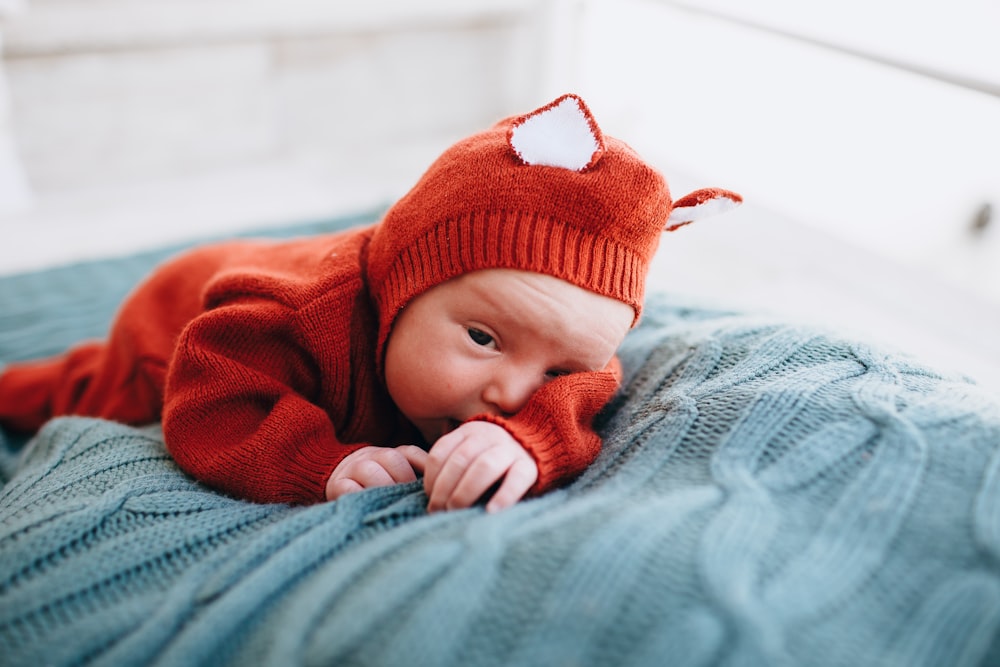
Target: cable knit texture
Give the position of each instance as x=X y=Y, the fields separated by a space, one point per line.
x=768 y=494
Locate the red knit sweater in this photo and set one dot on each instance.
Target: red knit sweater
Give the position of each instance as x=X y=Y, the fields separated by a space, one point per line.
x=260 y=358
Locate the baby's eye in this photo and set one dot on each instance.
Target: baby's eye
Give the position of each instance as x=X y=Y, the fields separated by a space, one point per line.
x=556 y=373
x=481 y=337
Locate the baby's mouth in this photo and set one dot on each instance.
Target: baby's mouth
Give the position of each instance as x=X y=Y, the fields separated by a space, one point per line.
x=439 y=428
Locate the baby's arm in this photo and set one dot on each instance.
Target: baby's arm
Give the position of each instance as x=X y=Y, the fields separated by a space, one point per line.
x=238 y=414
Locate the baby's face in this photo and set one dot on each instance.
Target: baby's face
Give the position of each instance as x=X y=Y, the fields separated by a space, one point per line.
x=486 y=341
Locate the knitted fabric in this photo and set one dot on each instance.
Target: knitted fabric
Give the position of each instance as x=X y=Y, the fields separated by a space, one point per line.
x=261 y=359
x=45 y=312
x=768 y=494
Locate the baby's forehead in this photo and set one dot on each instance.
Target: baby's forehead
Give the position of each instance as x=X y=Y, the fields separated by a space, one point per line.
x=545 y=305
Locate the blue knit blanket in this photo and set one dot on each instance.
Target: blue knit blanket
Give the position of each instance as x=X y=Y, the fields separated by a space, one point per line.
x=768 y=494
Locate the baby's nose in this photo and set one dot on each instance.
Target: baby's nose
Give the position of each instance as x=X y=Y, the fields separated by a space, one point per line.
x=508 y=393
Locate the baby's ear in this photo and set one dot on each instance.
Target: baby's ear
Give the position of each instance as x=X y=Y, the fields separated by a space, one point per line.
x=701 y=204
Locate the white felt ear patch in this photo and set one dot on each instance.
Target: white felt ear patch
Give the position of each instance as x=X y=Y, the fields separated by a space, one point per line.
x=561 y=135
x=701 y=204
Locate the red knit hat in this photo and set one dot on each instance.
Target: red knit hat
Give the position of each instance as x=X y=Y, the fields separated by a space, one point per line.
x=544 y=192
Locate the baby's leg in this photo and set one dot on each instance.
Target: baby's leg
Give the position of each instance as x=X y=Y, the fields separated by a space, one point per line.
x=120 y=379
x=92 y=379
x=28 y=391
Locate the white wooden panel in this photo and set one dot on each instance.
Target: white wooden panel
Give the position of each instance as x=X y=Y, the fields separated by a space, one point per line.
x=94 y=119
x=352 y=100
x=53 y=26
x=14 y=192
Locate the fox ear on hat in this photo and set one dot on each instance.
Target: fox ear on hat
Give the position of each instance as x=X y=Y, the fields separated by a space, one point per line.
x=562 y=134
x=701 y=204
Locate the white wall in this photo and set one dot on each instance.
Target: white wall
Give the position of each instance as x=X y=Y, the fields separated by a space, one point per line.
x=14 y=192
x=865 y=150
x=862 y=176
x=142 y=123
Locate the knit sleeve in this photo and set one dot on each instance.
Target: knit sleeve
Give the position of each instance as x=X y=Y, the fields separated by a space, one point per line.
x=556 y=426
x=238 y=413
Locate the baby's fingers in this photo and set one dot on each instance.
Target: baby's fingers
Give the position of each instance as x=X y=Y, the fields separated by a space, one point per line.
x=519 y=478
x=370 y=473
x=341 y=487
x=369 y=467
x=462 y=485
x=439 y=455
x=468 y=463
x=397 y=465
x=415 y=457
x=441 y=486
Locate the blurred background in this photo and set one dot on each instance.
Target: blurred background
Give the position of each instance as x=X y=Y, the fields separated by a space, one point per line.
x=865 y=136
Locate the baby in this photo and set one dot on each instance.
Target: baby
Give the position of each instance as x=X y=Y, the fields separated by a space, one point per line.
x=469 y=336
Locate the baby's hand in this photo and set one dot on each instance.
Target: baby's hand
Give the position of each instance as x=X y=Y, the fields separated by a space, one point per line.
x=369 y=467
x=464 y=464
